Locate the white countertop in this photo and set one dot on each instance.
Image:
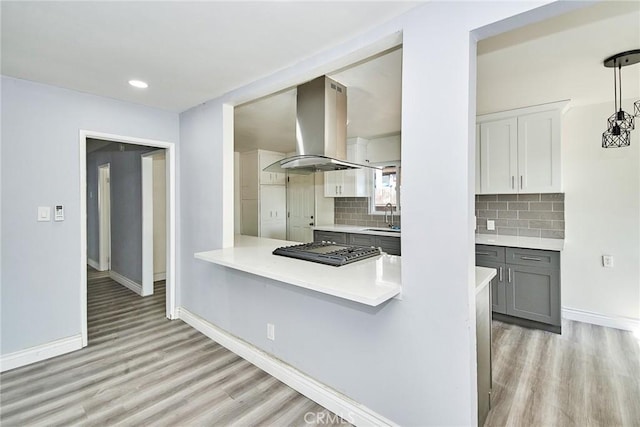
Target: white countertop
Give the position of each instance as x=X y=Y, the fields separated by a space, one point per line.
x=520 y=242
x=371 y=281
x=483 y=277
x=360 y=229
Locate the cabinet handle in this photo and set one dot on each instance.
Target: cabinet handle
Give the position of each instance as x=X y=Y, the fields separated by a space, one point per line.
x=500 y=274
x=509 y=272
x=513 y=181
x=341 y=189
x=483 y=253
x=530 y=258
x=336 y=189
x=521 y=186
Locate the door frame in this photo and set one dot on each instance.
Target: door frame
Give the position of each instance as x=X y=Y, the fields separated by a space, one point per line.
x=170 y=152
x=104 y=218
x=148 y=272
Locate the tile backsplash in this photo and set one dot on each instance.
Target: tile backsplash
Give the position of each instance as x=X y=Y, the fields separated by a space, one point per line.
x=355 y=211
x=531 y=215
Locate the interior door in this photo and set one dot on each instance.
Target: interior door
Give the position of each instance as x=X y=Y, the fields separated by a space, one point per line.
x=104 y=216
x=301 y=205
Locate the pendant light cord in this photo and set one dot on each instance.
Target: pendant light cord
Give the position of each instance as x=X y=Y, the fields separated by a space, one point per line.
x=615 y=91
x=620 y=81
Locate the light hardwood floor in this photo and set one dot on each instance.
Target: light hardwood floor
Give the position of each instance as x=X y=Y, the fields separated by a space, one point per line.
x=588 y=376
x=142 y=369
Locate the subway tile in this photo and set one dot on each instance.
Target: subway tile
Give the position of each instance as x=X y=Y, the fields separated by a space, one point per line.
x=507 y=231
x=551 y=215
x=481 y=222
x=528 y=215
x=500 y=222
x=540 y=206
x=507 y=197
x=497 y=206
x=519 y=223
x=558 y=206
x=552 y=197
x=508 y=214
x=488 y=214
x=547 y=225
x=518 y=206
x=528 y=197
x=488 y=197
x=481 y=205
x=529 y=232
x=485 y=231
x=557 y=225
x=552 y=234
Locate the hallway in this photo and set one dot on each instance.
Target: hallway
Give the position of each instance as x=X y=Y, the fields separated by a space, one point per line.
x=141 y=368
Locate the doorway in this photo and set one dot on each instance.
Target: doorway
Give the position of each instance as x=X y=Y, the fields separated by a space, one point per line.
x=153 y=176
x=301 y=205
x=169 y=151
x=104 y=217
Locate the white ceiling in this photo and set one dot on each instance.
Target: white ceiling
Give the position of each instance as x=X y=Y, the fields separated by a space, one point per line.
x=188 y=52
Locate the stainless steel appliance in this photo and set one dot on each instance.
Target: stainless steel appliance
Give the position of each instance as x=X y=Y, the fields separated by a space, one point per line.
x=328 y=253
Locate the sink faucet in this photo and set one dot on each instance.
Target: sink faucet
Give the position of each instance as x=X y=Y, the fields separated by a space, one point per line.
x=386 y=217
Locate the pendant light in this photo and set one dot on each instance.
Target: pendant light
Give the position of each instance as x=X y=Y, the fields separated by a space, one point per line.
x=621 y=123
x=636 y=108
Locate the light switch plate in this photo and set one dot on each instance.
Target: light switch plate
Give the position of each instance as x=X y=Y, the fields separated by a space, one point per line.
x=607 y=261
x=44 y=213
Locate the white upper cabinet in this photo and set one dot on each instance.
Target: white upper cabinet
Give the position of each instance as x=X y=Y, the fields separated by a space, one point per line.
x=265 y=159
x=354 y=182
x=518 y=151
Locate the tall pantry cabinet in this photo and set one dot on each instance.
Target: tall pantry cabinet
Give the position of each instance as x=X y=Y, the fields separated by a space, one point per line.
x=263 y=196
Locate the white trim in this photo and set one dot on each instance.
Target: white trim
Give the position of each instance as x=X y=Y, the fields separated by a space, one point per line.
x=159 y=276
x=126 y=282
x=618 y=322
x=104 y=217
x=329 y=398
x=561 y=106
x=93 y=264
x=172 y=211
x=40 y=352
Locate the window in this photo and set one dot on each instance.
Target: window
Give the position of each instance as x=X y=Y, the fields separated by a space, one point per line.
x=386 y=187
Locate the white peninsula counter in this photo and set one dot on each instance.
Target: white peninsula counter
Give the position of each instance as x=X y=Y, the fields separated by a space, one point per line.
x=371 y=281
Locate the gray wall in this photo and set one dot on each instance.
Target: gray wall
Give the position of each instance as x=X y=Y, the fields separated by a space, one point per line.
x=411 y=360
x=41 y=268
x=126 y=210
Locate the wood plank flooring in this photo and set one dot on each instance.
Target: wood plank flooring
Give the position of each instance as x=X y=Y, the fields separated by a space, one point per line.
x=142 y=369
x=588 y=376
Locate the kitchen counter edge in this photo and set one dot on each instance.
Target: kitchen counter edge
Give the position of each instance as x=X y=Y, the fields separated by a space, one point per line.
x=520 y=242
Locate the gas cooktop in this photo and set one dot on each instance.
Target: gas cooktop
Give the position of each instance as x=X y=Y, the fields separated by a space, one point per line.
x=328 y=253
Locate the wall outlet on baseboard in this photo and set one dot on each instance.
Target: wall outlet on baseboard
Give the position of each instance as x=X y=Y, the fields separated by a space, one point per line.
x=271 y=331
x=607 y=261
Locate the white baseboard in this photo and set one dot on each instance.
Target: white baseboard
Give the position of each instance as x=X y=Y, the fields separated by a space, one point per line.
x=159 y=276
x=624 y=323
x=40 y=352
x=126 y=282
x=334 y=401
x=93 y=264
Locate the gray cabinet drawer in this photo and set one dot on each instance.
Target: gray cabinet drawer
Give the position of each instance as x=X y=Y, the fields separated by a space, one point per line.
x=490 y=253
x=390 y=245
x=533 y=257
x=361 y=239
x=329 y=236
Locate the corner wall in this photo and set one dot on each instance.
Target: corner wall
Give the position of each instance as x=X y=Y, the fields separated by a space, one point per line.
x=41 y=268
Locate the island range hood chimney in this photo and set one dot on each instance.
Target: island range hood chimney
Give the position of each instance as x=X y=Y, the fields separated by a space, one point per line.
x=321 y=130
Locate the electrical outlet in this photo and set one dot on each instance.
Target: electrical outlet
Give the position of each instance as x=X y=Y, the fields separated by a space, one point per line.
x=271 y=331
x=607 y=261
x=491 y=224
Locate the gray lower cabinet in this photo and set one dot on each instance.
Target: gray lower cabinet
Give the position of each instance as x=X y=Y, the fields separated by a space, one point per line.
x=388 y=244
x=527 y=287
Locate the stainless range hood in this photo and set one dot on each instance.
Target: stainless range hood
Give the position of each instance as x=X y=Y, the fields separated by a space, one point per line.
x=321 y=130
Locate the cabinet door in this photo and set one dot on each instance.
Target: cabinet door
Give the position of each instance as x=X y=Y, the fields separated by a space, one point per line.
x=539 y=153
x=273 y=202
x=499 y=156
x=361 y=239
x=249 y=175
x=533 y=293
x=272 y=178
x=334 y=184
x=389 y=245
x=274 y=230
x=483 y=353
x=498 y=286
x=249 y=217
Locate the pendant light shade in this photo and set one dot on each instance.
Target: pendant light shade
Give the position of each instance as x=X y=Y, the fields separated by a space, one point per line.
x=620 y=123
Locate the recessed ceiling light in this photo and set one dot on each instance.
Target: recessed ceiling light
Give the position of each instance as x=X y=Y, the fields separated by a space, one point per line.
x=139 y=84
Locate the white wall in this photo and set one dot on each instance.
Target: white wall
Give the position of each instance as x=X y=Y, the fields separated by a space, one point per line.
x=41 y=269
x=159 y=214
x=412 y=361
x=384 y=149
x=602 y=216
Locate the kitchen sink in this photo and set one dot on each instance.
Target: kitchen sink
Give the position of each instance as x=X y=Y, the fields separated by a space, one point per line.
x=384 y=230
